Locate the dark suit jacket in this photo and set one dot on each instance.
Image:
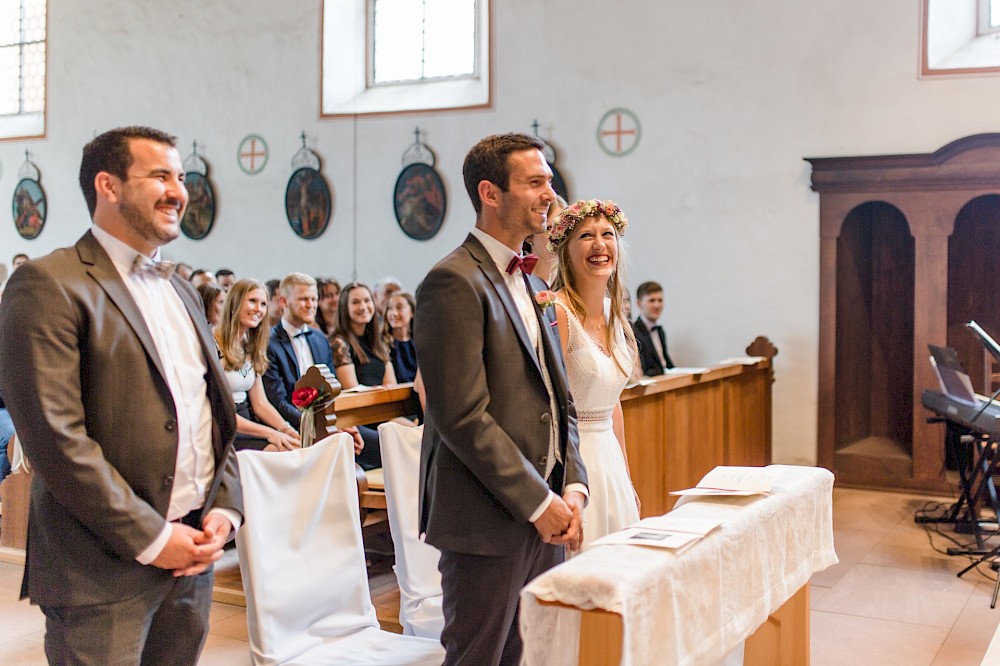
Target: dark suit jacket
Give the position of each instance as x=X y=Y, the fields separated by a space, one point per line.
x=283 y=369
x=651 y=365
x=486 y=433
x=86 y=388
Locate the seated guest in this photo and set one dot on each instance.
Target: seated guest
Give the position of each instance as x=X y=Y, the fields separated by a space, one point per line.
x=329 y=296
x=242 y=339
x=360 y=353
x=18 y=259
x=184 y=270
x=538 y=244
x=225 y=278
x=399 y=331
x=653 y=356
x=212 y=298
x=294 y=345
x=200 y=276
x=360 y=356
x=274 y=307
x=385 y=288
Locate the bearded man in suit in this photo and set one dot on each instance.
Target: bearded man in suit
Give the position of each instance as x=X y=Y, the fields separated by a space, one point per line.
x=112 y=379
x=503 y=485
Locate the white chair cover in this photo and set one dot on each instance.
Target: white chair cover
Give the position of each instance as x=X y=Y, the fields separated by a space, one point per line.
x=303 y=564
x=416 y=561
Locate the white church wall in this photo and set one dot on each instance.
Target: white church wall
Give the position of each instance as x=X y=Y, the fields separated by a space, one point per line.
x=731 y=97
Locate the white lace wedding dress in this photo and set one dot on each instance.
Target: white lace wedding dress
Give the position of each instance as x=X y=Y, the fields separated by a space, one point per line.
x=596 y=384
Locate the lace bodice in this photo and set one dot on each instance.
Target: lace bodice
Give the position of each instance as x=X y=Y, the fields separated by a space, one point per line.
x=594 y=379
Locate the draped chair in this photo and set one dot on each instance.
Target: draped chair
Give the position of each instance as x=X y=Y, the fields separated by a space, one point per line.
x=416 y=562
x=303 y=563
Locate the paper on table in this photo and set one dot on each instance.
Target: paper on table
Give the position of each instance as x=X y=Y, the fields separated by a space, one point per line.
x=634 y=536
x=671 y=523
x=726 y=480
x=645 y=381
x=742 y=360
x=361 y=388
x=666 y=531
x=686 y=371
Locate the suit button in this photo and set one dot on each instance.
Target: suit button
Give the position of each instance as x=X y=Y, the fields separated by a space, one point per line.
x=170 y=425
x=542 y=461
x=168 y=481
x=546 y=417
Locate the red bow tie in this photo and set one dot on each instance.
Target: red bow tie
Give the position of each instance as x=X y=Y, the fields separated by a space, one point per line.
x=525 y=263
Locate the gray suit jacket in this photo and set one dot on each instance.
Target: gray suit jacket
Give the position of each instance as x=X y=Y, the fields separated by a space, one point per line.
x=486 y=431
x=86 y=389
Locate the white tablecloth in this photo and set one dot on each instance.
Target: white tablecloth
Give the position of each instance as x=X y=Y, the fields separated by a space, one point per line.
x=693 y=607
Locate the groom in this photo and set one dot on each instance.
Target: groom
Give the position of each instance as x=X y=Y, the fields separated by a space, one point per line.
x=502 y=483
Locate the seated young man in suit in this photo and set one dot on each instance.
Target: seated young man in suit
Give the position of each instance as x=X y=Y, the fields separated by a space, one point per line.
x=649 y=334
x=295 y=346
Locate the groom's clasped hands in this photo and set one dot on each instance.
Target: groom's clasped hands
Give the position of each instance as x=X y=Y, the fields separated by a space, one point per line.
x=562 y=521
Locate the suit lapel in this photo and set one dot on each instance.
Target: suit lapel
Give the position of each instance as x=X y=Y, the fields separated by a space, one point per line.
x=552 y=350
x=492 y=273
x=106 y=275
x=286 y=345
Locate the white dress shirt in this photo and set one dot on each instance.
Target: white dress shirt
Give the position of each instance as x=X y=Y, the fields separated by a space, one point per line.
x=181 y=356
x=300 y=343
x=501 y=256
x=657 y=343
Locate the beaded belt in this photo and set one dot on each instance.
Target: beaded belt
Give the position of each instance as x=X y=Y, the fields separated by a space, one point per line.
x=595 y=415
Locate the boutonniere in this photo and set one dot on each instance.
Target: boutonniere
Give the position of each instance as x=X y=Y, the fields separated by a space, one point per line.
x=545 y=299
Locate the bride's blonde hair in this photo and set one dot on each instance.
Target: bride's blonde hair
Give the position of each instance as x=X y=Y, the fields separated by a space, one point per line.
x=617 y=289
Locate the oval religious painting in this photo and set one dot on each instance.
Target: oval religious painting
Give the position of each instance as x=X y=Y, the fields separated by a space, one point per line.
x=29 y=208
x=200 y=214
x=419 y=201
x=308 y=203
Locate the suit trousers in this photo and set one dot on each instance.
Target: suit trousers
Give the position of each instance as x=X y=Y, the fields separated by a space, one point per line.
x=165 y=625
x=480 y=603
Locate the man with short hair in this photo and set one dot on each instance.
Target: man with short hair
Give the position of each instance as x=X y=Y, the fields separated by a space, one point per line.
x=274 y=308
x=652 y=340
x=502 y=483
x=225 y=278
x=295 y=345
x=18 y=259
x=184 y=270
x=112 y=378
x=200 y=276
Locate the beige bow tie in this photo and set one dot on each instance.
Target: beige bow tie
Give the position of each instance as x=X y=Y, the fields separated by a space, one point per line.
x=162 y=268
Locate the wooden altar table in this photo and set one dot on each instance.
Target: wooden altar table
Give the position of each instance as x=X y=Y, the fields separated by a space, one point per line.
x=644 y=605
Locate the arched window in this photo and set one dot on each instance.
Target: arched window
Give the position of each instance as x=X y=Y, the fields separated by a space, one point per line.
x=385 y=56
x=22 y=68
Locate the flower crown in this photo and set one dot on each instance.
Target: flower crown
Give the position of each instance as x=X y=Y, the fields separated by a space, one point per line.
x=578 y=212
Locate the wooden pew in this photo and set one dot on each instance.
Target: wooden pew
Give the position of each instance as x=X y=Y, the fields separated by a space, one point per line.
x=679 y=427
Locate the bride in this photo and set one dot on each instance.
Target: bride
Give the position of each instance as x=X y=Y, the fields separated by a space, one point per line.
x=600 y=352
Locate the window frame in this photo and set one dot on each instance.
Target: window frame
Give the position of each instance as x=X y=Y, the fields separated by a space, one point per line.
x=370 y=46
x=345 y=29
x=976 y=38
x=33 y=125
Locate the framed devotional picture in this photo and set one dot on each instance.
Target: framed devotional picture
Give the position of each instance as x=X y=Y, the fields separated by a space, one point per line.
x=419 y=201
x=29 y=208
x=200 y=214
x=308 y=203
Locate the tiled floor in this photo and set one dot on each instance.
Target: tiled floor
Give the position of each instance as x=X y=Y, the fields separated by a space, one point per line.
x=891 y=600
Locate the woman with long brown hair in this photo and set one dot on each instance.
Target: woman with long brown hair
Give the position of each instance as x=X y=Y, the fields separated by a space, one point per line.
x=600 y=352
x=242 y=336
